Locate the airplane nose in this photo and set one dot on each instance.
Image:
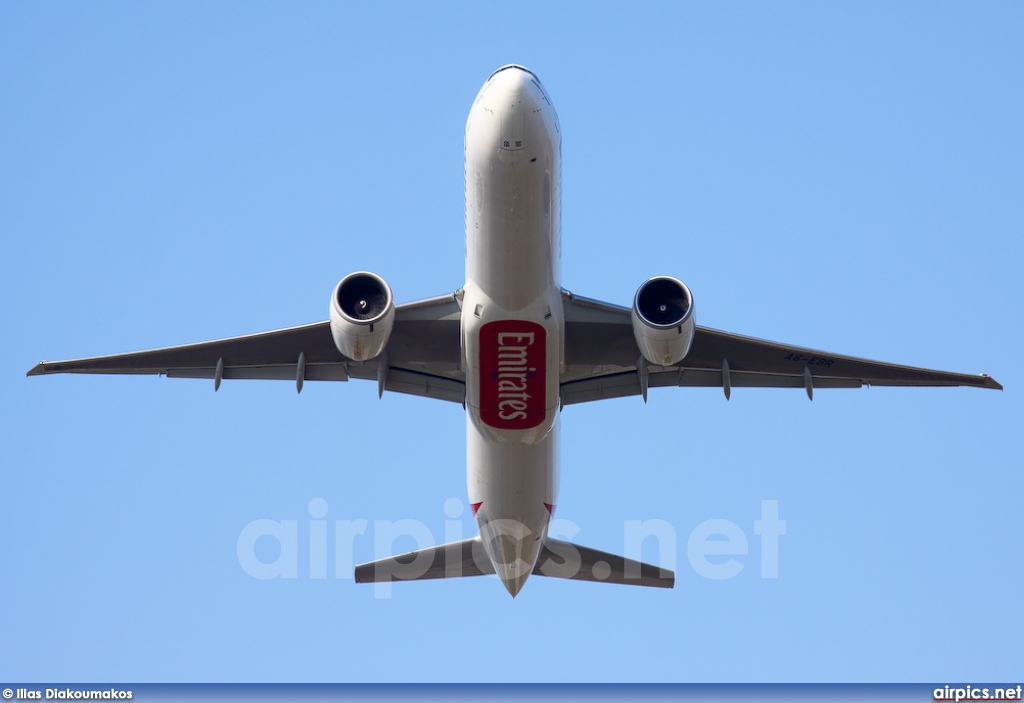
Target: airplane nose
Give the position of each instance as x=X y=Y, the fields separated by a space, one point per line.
x=514 y=83
x=513 y=71
x=510 y=111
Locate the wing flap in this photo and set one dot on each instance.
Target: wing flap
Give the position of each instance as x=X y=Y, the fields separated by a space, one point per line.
x=628 y=383
x=409 y=382
x=288 y=372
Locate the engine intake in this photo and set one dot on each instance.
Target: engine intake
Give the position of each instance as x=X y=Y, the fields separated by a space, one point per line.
x=663 y=320
x=362 y=315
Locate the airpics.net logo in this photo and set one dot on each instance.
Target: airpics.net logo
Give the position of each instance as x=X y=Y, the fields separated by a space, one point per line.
x=716 y=549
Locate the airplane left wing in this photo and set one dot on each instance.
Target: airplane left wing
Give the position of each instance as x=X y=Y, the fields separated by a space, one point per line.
x=603 y=361
x=422 y=357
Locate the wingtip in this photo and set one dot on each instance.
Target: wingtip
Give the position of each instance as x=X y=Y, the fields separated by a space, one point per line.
x=992 y=383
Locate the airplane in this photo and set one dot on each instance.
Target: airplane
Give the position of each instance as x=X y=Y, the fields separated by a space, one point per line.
x=513 y=348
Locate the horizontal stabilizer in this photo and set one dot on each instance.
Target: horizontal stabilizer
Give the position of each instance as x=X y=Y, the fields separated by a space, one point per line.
x=565 y=560
x=445 y=561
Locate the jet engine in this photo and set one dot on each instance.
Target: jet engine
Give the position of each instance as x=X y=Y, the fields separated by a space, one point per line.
x=663 y=321
x=362 y=315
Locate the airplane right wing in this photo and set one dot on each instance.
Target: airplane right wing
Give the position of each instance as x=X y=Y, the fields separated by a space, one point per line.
x=422 y=357
x=603 y=361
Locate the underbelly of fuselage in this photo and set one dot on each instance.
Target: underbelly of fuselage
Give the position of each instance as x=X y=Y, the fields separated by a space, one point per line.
x=512 y=319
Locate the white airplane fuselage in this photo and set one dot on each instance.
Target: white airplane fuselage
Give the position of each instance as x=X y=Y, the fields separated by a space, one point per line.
x=512 y=318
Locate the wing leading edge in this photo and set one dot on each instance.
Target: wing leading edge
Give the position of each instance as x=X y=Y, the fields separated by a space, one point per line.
x=422 y=357
x=603 y=361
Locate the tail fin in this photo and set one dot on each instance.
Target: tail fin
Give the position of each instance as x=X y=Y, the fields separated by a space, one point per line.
x=565 y=560
x=445 y=561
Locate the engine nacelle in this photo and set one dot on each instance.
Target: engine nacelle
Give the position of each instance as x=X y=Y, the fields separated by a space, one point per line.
x=663 y=320
x=362 y=315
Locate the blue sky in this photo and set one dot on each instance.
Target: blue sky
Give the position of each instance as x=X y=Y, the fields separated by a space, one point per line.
x=843 y=177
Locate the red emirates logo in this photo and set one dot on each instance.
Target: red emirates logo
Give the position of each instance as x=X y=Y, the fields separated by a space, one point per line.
x=513 y=355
